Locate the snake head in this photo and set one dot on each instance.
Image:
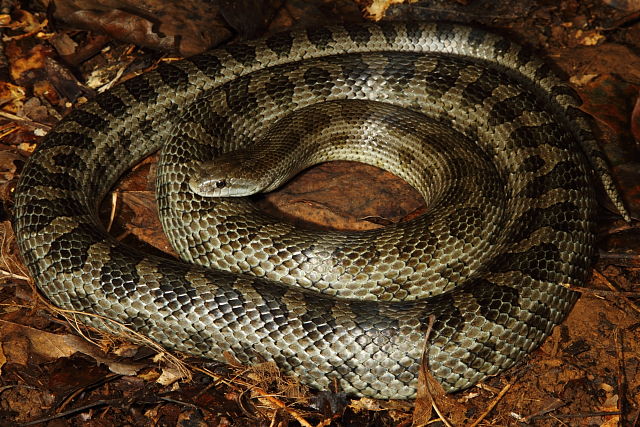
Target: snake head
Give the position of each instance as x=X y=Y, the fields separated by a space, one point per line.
x=229 y=175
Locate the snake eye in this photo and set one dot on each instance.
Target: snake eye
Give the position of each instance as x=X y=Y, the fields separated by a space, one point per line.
x=221 y=184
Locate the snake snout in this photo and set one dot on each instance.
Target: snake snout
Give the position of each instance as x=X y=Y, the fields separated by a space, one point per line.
x=222 y=185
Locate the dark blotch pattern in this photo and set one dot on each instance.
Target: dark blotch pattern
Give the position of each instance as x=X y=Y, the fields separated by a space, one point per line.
x=443 y=77
x=173 y=76
x=71 y=160
x=111 y=104
x=494 y=300
x=501 y=47
x=476 y=92
x=89 y=120
x=244 y=54
x=530 y=136
x=280 y=43
x=525 y=55
x=62 y=180
x=318 y=81
x=532 y=164
x=477 y=37
x=239 y=96
x=46 y=210
x=141 y=90
x=560 y=216
x=389 y=31
x=280 y=89
x=564 y=175
x=71 y=249
x=540 y=262
x=359 y=34
x=320 y=37
x=69 y=139
x=400 y=68
x=465 y=219
x=119 y=275
x=208 y=63
x=511 y=108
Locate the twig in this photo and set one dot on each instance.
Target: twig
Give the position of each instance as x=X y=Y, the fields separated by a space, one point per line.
x=611 y=286
x=495 y=401
x=24 y=120
x=71 y=412
x=580 y=415
x=8 y=130
x=79 y=390
x=6 y=273
x=280 y=404
x=603 y=292
x=621 y=377
x=112 y=214
x=187 y=404
x=549 y=407
x=10 y=386
x=621 y=258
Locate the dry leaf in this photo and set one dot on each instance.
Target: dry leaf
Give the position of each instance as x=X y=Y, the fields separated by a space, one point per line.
x=169 y=376
x=43 y=343
x=3 y=359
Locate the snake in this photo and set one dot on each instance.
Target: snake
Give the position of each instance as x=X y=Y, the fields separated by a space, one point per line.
x=484 y=129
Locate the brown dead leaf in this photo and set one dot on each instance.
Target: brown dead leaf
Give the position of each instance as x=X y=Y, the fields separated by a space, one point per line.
x=343 y=196
x=16 y=349
x=429 y=391
x=34 y=110
x=10 y=93
x=430 y=396
x=33 y=341
x=121 y=367
x=143 y=222
x=64 y=44
x=169 y=376
x=149 y=375
x=635 y=119
x=626 y=5
x=187 y=27
x=26 y=22
x=21 y=342
x=8 y=160
x=47 y=91
x=3 y=359
x=377 y=8
x=589 y=38
x=25 y=61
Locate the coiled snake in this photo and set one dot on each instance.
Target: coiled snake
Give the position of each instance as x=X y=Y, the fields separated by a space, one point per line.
x=510 y=221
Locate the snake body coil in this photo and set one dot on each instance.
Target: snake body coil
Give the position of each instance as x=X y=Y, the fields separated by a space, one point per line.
x=491 y=260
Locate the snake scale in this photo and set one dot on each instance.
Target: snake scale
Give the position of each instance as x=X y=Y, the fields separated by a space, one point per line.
x=510 y=220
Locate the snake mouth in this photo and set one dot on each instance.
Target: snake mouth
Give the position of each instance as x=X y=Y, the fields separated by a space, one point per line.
x=217 y=186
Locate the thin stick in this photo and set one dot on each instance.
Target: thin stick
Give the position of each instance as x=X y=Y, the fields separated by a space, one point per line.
x=603 y=292
x=611 y=286
x=580 y=415
x=71 y=412
x=280 y=404
x=621 y=377
x=112 y=214
x=6 y=273
x=493 y=404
